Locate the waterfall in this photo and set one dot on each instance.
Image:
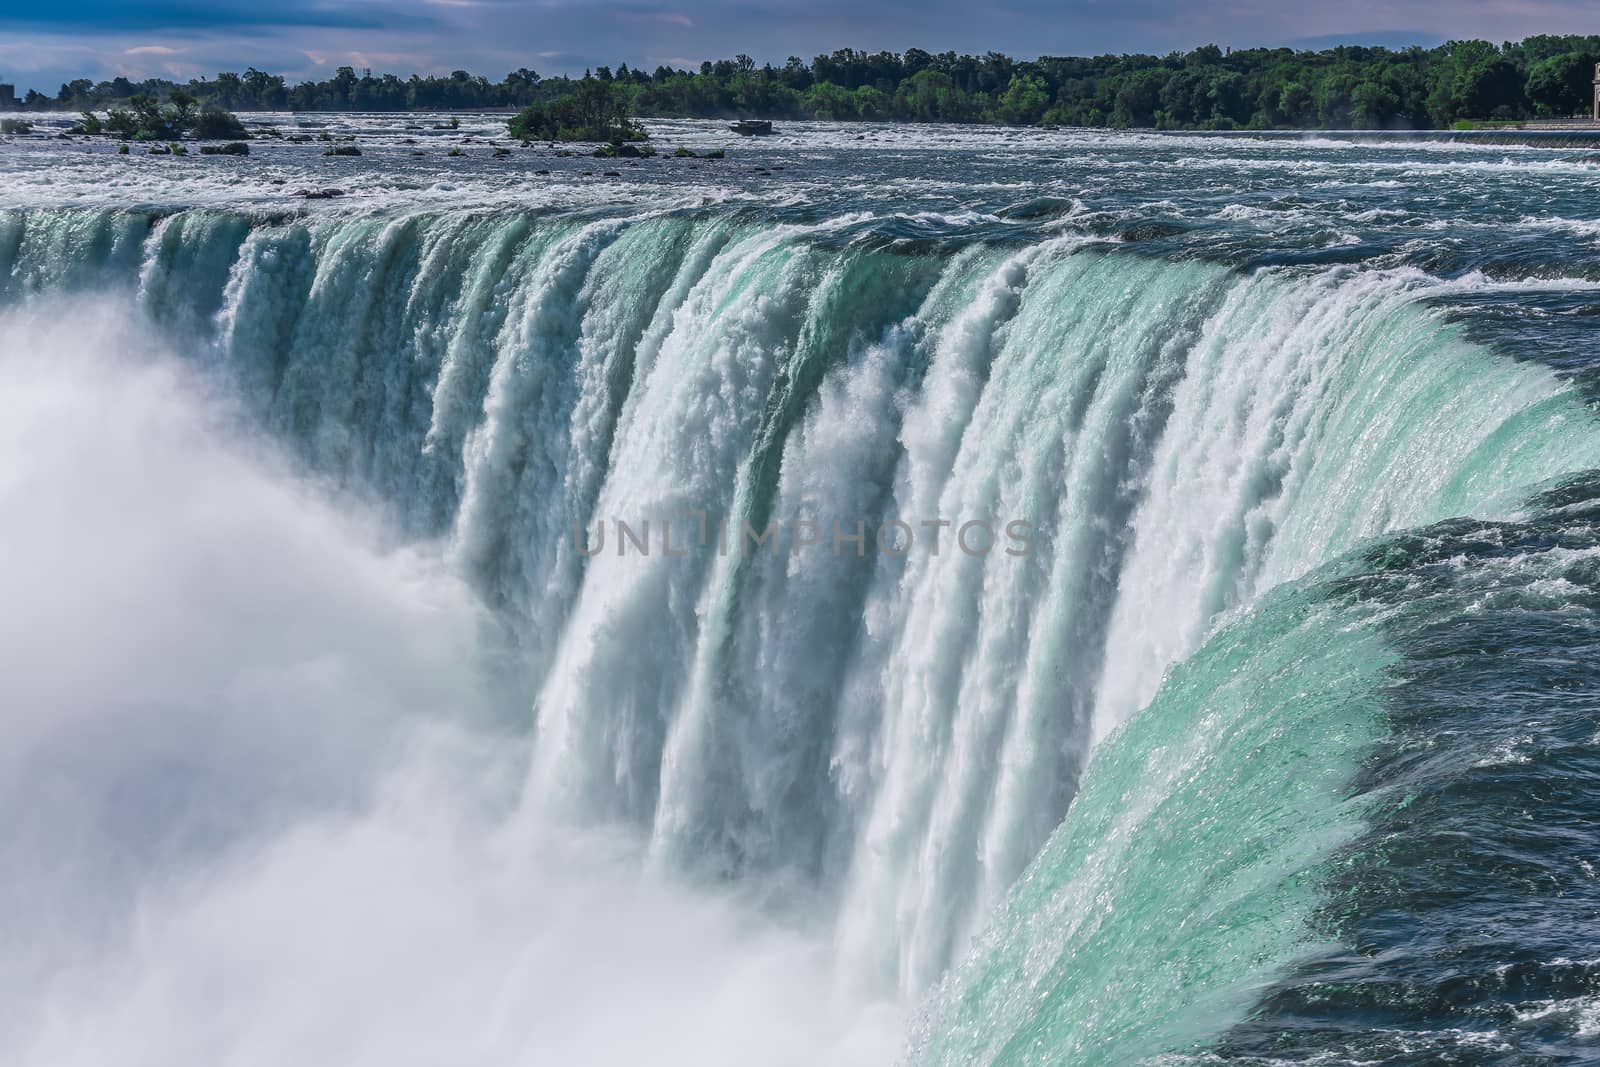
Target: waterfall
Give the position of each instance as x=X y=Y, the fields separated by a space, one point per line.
x=894 y=734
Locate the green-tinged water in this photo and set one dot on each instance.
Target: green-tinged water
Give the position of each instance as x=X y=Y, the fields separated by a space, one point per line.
x=1184 y=879
x=1007 y=596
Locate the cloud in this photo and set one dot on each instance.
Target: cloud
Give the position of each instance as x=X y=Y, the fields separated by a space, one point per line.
x=105 y=15
x=152 y=50
x=648 y=13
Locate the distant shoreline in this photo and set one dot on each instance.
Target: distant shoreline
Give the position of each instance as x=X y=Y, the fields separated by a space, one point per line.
x=1544 y=78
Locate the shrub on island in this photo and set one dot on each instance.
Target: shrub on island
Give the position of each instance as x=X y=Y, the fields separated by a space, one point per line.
x=593 y=111
x=148 y=119
x=215 y=124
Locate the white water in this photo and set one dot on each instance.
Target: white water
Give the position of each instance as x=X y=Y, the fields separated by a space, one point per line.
x=267 y=788
x=873 y=746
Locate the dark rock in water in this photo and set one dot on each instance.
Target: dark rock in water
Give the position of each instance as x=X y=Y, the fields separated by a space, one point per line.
x=751 y=127
x=541 y=172
x=1039 y=207
x=612 y=174
x=232 y=148
x=317 y=194
x=715 y=153
x=1150 y=231
x=501 y=153
x=342 y=150
x=299 y=138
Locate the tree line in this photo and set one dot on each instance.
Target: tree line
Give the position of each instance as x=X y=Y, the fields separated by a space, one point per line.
x=1207 y=88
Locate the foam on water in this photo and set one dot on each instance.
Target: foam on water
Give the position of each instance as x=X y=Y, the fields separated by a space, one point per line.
x=858 y=761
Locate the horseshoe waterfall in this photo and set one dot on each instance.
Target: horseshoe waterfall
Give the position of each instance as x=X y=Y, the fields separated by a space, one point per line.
x=908 y=616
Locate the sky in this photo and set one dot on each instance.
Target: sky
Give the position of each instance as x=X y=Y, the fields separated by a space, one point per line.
x=46 y=42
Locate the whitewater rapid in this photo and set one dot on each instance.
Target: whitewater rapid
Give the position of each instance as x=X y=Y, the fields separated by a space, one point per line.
x=876 y=746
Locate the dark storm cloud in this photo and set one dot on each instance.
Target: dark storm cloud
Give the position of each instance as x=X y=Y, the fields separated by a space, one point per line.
x=108 y=15
x=42 y=43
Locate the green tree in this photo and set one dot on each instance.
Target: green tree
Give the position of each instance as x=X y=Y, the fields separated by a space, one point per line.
x=183 y=106
x=230 y=90
x=1024 y=100
x=215 y=124
x=931 y=96
x=871 y=103
x=1373 y=106
x=1474 y=80
x=1296 y=102
x=1562 y=85
x=1137 y=99
x=122 y=123
x=594 y=110
x=1204 y=88
x=826 y=100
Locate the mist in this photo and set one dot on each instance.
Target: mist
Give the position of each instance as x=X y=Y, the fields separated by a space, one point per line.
x=261 y=768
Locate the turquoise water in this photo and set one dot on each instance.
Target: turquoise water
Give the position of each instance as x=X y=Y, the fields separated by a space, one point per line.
x=1274 y=416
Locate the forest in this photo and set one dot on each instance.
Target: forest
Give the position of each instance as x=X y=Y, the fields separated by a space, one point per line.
x=1349 y=87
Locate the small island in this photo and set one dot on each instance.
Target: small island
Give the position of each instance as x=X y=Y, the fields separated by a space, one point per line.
x=146 y=118
x=593 y=111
